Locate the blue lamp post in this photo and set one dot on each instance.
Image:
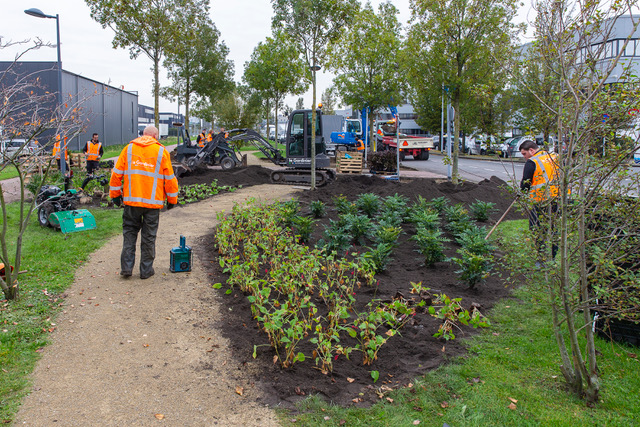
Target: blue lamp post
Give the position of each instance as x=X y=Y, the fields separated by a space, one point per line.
x=39 y=14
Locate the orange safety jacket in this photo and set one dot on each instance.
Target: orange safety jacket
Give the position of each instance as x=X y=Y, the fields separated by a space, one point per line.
x=143 y=175
x=360 y=145
x=201 y=139
x=56 y=149
x=543 y=183
x=93 y=150
x=209 y=137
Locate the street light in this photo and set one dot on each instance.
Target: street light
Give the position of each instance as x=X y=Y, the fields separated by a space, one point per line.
x=39 y=14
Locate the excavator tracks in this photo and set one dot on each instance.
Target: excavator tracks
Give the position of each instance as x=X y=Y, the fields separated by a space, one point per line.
x=293 y=176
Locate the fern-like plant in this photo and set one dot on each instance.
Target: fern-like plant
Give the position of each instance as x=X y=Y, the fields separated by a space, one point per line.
x=425 y=218
x=473 y=268
x=344 y=206
x=430 y=245
x=386 y=234
x=368 y=204
x=473 y=240
x=318 y=209
x=357 y=226
x=482 y=210
x=379 y=256
x=303 y=227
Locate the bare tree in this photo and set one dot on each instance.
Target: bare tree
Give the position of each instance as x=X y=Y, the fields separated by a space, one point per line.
x=28 y=114
x=592 y=220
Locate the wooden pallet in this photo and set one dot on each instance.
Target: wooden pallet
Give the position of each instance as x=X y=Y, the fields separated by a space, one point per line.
x=349 y=165
x=78 y=161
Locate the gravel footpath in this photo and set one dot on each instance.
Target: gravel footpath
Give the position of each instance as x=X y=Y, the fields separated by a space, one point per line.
x=147 y=352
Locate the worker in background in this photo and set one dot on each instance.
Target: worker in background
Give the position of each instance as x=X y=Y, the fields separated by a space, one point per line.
x=224 y=133
x=210 y=135
x=57 y=153
x=539 y=180
x=142 y=180
x=360 y=145
x=201 y=138
x=94 y=151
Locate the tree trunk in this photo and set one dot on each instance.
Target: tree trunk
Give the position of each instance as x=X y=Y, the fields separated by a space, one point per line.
x=456 y=137
x=313 y=132
x=156 y=91
x=276 y=123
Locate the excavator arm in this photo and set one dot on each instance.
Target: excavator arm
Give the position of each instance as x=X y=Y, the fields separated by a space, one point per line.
x=250 y=135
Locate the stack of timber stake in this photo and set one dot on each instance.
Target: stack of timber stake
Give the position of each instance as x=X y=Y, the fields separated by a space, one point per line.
x=349 y=162
x=36 y=165
x=78 y=161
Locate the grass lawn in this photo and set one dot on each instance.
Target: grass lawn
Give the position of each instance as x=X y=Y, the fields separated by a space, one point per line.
x=50 y=261
x=513 y=362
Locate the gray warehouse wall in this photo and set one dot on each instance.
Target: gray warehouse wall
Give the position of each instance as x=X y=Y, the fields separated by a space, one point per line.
x=104 y=109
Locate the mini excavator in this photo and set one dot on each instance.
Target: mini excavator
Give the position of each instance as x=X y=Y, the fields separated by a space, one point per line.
x=222 y=151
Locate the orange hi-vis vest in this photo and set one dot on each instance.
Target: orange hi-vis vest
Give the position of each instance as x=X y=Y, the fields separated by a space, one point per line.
x=209 y=137
x=360 y=145
x=543 y=183
x=143 y=175
x=93 y=150
x=202 y=140
x=56 y=149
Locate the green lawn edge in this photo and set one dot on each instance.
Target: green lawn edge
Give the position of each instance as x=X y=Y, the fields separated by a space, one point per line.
x=51 y=261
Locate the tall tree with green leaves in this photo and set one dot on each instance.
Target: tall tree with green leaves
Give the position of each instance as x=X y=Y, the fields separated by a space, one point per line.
x=276 y=70
x=184 y=61
x=313 y=25
x=452 y=42
x=367 y=61
x=329 y=100
x=148 y=27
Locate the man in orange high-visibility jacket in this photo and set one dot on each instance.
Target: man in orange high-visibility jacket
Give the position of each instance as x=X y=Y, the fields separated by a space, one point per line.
x=142 y=179
x=539 y=179
x=57 y=153
x=360 y=145
x=202 y=138
x=94 y=151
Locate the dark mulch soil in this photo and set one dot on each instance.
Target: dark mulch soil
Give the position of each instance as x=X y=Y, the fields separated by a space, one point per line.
x=405 y=356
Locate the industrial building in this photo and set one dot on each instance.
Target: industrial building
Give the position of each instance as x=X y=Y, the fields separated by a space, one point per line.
x=109 y=111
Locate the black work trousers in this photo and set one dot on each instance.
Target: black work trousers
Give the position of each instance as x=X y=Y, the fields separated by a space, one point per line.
x=134 y=220
x=92 y=165
x=541 y=216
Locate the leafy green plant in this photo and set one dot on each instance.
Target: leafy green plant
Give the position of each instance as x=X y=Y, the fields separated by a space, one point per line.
x=482 y=210
x=430 y=245
x=386 y=234
x=304 y=227
x=438 y=204
x=473 y=268
x=357 y=226
x=390 y=219
x=379 y=256
x=368 y=204
x=452 y=314
x=335 y=238
x=318 y=208
x=425 y=218
x=396 y=203
x=290 y=211
x=456 y=213
x=343 y=206
x=473 y=240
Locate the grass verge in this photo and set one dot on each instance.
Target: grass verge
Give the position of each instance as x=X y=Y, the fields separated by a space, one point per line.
x=51 y=261
x=509 y=378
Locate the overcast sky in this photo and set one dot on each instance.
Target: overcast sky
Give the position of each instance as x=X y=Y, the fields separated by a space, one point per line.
x=87 y=49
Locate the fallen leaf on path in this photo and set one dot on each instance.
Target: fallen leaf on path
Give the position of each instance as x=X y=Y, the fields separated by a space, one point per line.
x=513 y=400
x=145 y=345
x=350 y=379
x=416 y=422
x=239 y=390
x=390 y=400
x=512 y=406
x=159 y=416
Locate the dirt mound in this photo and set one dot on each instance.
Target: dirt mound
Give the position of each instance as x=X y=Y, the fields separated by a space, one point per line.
x=406 y=356
x=246 y=176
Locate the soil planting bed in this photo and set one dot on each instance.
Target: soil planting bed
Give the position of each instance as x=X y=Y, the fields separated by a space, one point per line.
x=403 y=357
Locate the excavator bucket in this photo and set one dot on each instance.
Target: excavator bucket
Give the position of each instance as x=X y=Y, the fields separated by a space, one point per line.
x=72 y=221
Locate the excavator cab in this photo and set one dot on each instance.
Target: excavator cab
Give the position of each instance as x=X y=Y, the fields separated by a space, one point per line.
x=298 y=142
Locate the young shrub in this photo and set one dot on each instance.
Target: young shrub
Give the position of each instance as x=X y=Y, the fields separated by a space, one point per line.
x=343 y=206
x=482 y=210
x=438 y=204
x=474 y=268
x=357 y=226
x=386 y=234
x=390 y=219
x=335 y=239
x=425 y=218
x=289 y=211
x=456 y=213
x=368 y=204
x=430 y=245
x=303 y=227
x=379 y=256
x=318 y=209
x=473 y=240
x=396 y=204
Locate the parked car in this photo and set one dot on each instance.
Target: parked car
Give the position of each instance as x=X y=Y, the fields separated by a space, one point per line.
x=17 y=148
x=511 y=146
